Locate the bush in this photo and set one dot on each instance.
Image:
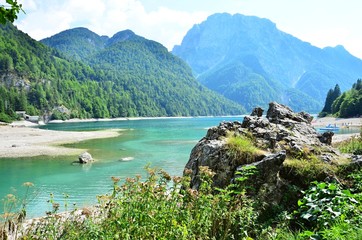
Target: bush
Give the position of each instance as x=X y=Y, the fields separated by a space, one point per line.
x=5 y=118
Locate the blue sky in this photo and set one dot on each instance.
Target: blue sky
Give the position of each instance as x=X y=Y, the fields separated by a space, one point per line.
x=320 y=22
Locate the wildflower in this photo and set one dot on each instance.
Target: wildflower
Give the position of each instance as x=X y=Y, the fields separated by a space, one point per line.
x=115 y=179
x=28 y=184
x=207 y=171
x=11 y=197
x=165 y=175
x=192 y=192
x=177 y=179
x=187 y=172
x=56 y=207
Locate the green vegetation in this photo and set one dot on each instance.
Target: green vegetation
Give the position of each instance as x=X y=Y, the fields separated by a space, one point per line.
x=242 y=147
x=332 y=95
x=323 y=204
x=352 y=145
x=349 y=104
x=160 y=207
x=129 y=78
x=10 y=12
x=310 y=168
x=164 y=207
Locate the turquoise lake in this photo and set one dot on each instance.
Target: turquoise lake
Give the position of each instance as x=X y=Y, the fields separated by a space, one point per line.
x=163 y=143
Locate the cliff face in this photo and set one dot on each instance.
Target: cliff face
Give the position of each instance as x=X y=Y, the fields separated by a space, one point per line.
x=289 y=151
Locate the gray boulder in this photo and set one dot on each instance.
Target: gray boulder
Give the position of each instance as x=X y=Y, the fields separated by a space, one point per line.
x=85 y=158
x=283 y=133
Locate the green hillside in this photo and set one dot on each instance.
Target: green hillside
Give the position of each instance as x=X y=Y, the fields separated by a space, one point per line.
x=117 y=79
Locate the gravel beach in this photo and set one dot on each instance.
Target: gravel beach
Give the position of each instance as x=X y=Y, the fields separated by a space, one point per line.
x=20 y=140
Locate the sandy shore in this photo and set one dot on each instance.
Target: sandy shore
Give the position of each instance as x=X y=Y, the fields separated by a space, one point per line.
x=340 y=122
x=19 y=140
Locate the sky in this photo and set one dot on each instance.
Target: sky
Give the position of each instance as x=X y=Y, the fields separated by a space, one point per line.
x=320 y=22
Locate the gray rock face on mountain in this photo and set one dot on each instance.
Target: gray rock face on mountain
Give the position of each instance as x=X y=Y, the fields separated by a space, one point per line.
x=281 y=134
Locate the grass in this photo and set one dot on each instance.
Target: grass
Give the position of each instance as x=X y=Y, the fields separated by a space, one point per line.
x=352 y=145
x=242 y=148
x=310 y=168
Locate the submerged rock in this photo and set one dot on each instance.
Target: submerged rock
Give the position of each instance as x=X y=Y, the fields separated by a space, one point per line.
x=85 y=158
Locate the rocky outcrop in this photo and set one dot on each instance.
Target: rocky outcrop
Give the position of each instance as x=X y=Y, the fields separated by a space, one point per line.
x=13 y=79
x=281 y=134
x=85 y=158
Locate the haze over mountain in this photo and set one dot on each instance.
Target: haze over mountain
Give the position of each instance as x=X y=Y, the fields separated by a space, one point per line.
x=97 y=76
x=248 y=60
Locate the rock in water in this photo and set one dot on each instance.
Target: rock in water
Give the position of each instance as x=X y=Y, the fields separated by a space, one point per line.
x=85 y=158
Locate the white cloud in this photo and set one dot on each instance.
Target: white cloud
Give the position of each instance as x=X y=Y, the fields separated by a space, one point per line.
x=165 y=25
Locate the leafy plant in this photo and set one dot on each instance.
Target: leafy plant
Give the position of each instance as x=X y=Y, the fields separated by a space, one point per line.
x=10 y=12
x=325 y=203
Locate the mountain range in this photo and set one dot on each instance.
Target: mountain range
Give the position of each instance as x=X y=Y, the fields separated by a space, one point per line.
x=250 y=61
x=98 y=76
x=78 y=73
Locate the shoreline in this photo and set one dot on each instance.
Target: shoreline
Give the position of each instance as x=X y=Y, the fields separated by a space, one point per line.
x=76 y=120
x=19 y=140
x=340 y=122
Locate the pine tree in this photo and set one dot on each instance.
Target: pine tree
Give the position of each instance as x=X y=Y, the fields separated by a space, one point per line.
x=332 y=95
x=328 y=102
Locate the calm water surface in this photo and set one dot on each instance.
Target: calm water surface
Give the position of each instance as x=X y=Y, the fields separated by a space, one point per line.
x=164 y=143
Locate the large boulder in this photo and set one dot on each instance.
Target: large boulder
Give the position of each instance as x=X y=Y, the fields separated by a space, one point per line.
x=281 y=134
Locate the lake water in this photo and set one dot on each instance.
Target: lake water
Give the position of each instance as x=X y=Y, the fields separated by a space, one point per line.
x=164 y=143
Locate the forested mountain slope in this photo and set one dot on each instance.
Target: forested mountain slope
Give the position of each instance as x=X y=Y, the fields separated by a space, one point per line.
x=249 y=60
x=123 y=78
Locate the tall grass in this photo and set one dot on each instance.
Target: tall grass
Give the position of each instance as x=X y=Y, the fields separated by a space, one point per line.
x=352 y=145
